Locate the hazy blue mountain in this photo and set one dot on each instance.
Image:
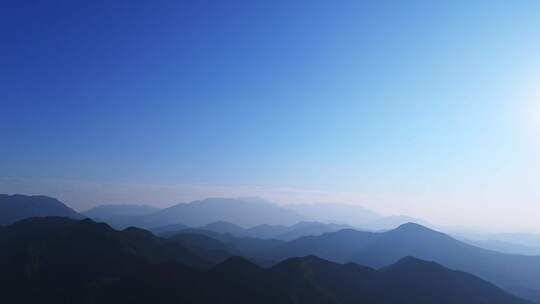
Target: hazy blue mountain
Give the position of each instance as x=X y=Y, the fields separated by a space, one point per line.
x=17 y=207
x=278 y=232
x=512 y=272
x=121 y=216
x=338 y=246
x=225 y=227
x=335 y=213
x=503 y=246
x=525 y=239
x=109 y=211
x=516 y=243
x=308 y=229
x=242 y=212
x=305 y=280
x=168 y=230
x=392 y=222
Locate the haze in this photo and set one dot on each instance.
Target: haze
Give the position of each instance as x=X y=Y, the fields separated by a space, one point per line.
x=420 y=108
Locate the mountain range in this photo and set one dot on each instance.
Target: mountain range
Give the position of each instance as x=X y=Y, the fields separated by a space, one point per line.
x=60 y=260
x=210 y=238
x=278 y=232
x=306 y=280
x=246 y=213
x=515 y=273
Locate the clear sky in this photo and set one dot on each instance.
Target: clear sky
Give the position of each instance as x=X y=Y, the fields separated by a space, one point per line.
x=425 y=108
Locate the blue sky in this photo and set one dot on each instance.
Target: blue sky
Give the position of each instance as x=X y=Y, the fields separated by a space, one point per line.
x=424 y=108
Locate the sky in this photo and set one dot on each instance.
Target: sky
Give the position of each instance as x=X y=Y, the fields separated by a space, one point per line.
x=424 y=108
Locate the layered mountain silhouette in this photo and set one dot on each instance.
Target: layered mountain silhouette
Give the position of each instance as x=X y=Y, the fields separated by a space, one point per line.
x=17 y=207
x=514 y=273
x=45 y=257
x=278 y=232
x=39 y=255
x=60 y=260
x=245 y=246
x=243 y=212
x=264 y=219
x=305 y=280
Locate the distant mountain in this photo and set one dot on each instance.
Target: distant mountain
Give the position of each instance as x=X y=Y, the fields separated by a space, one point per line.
x=341 y=246
x=242 y=212
x=168 y=230
x=120 y=216
x=47 y=257
x=392 y=222
x=305 y=280
x=278 y=232
x=245 y=246
x=308 y=229
x=336 y=213
x=225 y=227
x=109 y=211
x=17 y=207
x=516 y=243
x=514 y=273
x=503 y=246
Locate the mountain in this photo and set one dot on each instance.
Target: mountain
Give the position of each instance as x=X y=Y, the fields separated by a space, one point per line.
x=514 y=273
x=306 y=229
x=338 y=246
x=245 y=246
x=429 y=282
x=110 y=211
x=517 y=243
x=392 y=222
x=208 y=248
x=168 y=230
x=46 y=257
x=60 y=260
x=225 y=227
x=336 y=213
x=305 y=280
x=242 y=212
x=17 y=207
x=120 y=216
x=278 y=232
x=504 y=247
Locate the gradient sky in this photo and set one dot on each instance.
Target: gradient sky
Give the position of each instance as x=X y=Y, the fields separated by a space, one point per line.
x=425 y=108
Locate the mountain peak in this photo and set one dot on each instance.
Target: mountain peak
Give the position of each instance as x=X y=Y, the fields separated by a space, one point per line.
x=411 y=226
